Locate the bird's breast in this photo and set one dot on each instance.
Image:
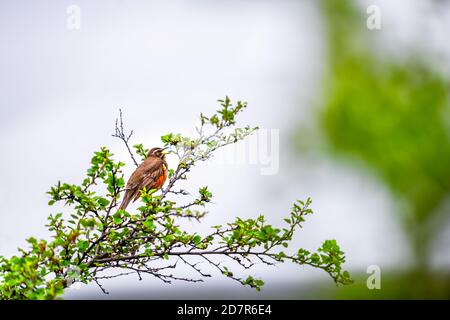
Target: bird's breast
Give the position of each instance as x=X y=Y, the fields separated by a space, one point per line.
x=160 y=181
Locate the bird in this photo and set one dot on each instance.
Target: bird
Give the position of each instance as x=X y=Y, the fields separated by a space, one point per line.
x=150 y=174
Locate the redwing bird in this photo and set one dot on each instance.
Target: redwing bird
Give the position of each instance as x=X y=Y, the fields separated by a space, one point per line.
x=151 y=174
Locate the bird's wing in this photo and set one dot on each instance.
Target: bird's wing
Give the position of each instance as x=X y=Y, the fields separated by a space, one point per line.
x=149 y=180
x=144 y=176
x=142 y=172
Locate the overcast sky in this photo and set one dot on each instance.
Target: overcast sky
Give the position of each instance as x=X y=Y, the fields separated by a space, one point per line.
x=164 y=63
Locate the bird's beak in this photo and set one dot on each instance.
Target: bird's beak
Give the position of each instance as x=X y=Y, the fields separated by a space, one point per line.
x=165 y=150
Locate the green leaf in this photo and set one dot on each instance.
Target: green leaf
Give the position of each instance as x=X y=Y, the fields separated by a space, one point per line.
x=82 y=245
x=102 y=202
x=197 y=239
x=149 y=224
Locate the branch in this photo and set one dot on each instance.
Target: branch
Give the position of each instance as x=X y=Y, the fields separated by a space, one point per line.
x=94 y=237
x=120 y=133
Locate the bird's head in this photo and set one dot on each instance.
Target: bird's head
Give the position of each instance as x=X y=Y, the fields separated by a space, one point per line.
x=158 y=152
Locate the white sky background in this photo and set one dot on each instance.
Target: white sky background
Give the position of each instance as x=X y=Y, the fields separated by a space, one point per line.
x=163 y=64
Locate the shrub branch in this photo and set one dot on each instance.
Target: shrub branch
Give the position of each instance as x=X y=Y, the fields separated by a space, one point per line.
x=94 y=241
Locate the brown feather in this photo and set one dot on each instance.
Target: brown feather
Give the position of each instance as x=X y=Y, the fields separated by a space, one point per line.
x=146 y=175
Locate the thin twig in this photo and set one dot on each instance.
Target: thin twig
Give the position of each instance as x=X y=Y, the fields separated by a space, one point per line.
x=120 y=133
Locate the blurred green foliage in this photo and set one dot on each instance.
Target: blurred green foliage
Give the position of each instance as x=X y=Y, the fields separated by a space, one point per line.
x=389 y=116
x=394 y=285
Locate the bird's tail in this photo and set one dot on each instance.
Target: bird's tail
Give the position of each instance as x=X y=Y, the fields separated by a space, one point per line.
x=126 y=200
